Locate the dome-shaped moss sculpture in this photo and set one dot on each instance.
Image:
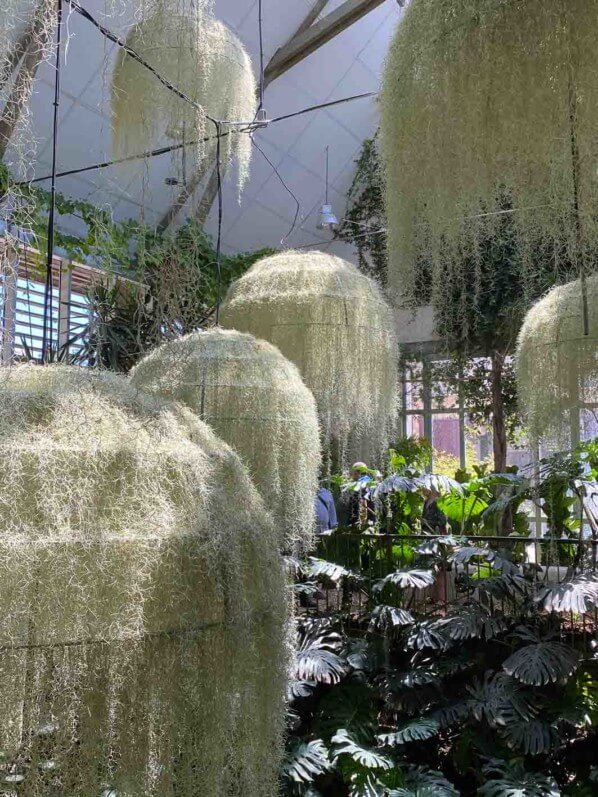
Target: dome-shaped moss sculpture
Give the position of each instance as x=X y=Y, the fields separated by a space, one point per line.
x=255 y=400
x=141 y=593
x=557 y=364
x=202 y=58
x=490 y=107
x=334 y=323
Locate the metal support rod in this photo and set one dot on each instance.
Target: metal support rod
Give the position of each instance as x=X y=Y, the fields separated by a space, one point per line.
x=219 y=236
x=47 y=321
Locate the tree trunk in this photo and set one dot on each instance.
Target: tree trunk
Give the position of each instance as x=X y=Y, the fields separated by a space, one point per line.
x=499 y=435
x=499 y=432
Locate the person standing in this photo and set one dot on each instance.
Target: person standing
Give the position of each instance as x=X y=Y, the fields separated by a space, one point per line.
x=326 y=519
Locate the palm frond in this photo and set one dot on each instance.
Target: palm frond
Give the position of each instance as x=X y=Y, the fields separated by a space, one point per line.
x=396 y=484
x=441 y=484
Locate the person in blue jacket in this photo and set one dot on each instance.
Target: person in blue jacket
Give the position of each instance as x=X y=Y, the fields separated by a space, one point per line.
x=326 y=519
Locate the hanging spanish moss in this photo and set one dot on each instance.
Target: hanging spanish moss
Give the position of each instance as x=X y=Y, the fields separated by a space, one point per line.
x=333 y=322
x=254 y=399
x=490 y=107
x=202 y=58
x=557 y=363
x=142 y=628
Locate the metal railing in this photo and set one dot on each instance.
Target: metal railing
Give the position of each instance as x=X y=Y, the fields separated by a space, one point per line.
x=366 y=558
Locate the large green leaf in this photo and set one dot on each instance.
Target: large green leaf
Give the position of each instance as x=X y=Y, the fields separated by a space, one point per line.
x=388 y=618
x=499 y=700
x=577 y=596
x=532 y=737
x=426 y=635
x=319 y=665
x=305 y=761
x=464 y=555
x=365 y=784
x=415 y=731
x=542 y=663
x=320 y=569
x=421 y=782
x=509 y=585
x=351 y=706
x=471 y=622
x=451 y=713
x=405 y=579
x=461 y=509
x=512 y=780
x=299 y=689
x=318 y=655
x=344 y=745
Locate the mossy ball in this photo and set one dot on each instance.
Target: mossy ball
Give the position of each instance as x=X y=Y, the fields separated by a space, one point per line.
x=334 y=323
x=141 y=593
x=255 y=400
x=557 y=362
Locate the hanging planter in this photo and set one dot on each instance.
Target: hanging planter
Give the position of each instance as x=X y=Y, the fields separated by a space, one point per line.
x=557 y=363
x=254 y=399
x=203 y=59
x=490 y=111
x=142 y=625
x=334 y=324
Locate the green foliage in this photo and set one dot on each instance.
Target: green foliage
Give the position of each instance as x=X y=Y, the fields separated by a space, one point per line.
x=171 y=283
x=491 y=686
x=365 y=218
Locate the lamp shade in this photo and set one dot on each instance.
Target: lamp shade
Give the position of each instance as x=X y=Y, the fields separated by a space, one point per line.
x=556 y=362
x=254 y=399
x=142 y=623
x=334 y=323
x=203 y=59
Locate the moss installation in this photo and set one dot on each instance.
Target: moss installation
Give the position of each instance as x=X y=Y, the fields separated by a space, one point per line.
x=557 y=363
x=142 y=628
x=203 y=59
x=255 y=400
x=334 y=323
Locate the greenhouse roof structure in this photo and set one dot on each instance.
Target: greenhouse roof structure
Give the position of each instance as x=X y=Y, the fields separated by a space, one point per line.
x=349 y=46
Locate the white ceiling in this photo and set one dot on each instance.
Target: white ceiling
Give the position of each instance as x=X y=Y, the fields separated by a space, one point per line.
x=349 y=64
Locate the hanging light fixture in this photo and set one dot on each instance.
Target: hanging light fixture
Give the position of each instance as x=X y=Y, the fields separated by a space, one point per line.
x=328 y=220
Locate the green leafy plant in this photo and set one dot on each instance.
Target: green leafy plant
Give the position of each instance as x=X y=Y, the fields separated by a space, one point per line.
x=496 y=683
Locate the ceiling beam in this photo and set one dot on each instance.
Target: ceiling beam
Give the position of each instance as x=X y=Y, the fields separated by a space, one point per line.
x=186 y=192
x=318 y=34
x=311 y=17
